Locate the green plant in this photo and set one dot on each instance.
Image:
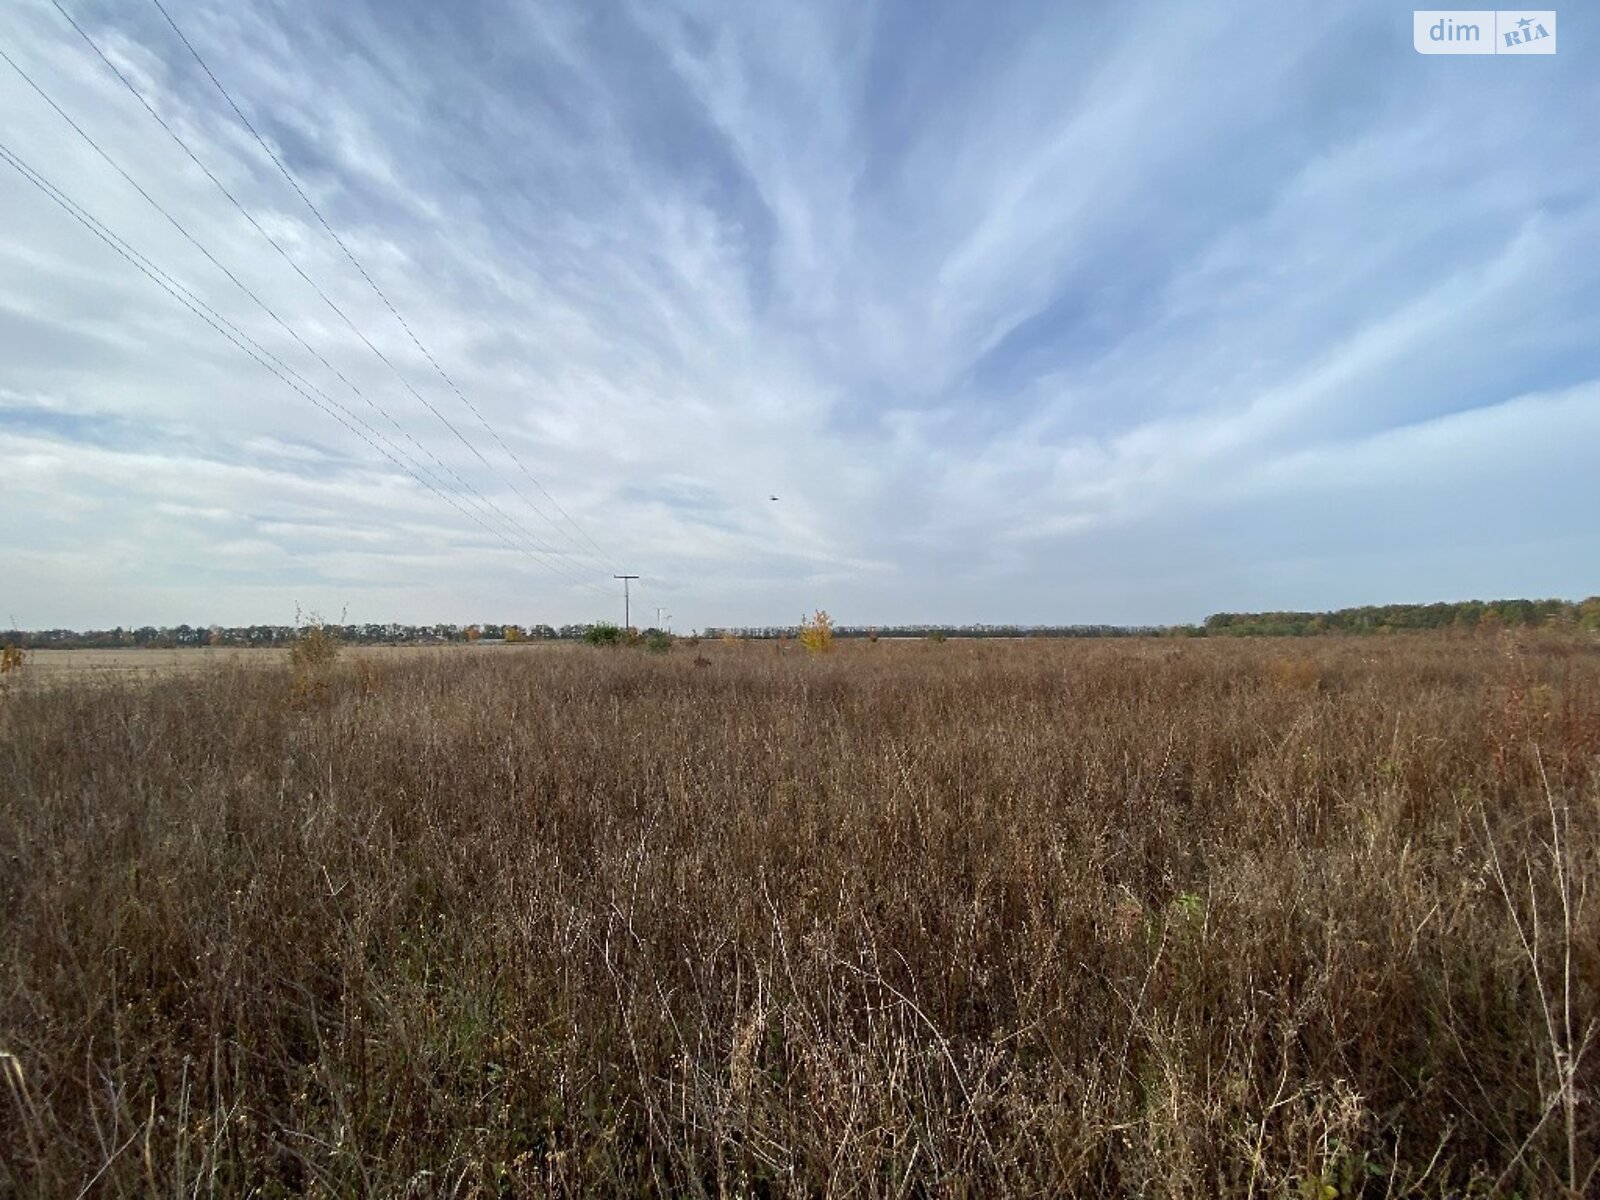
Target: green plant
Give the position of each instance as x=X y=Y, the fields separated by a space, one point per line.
x=603 y=634
x=658 y=642
x=1189 y=906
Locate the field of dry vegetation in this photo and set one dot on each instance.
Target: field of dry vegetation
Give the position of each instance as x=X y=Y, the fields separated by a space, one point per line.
x=1144 y=918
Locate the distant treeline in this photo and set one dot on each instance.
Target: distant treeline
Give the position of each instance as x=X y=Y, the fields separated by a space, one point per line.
x=1382 y=618
x=1394 y=618
x=370 y=634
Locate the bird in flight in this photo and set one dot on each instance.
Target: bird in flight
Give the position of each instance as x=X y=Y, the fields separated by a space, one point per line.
x=771 y=497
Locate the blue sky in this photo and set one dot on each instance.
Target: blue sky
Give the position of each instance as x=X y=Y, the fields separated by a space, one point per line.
x=1041 y=313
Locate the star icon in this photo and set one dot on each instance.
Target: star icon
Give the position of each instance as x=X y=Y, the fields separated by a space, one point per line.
x=1524 y=23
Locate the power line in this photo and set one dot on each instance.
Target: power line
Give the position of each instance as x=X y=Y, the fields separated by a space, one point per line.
x=184 y=146
x=460 y=483
x=173 y=289
x=355 y=262
x=282 y=253
x=241 y=340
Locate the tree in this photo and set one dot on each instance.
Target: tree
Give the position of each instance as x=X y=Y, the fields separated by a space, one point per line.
x=816 y=635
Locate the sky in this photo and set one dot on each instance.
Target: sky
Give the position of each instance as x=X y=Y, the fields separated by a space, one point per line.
x=1042 y=313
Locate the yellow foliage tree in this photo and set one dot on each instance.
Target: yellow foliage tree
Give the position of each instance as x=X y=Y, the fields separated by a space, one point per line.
x=816 y=634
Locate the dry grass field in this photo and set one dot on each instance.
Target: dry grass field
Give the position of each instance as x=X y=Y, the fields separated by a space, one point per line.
x=1304 y=919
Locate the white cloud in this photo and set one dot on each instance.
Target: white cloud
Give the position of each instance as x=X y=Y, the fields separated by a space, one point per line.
x=974 y=316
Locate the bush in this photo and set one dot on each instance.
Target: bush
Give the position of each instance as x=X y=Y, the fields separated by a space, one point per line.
x=315 y=647
x=1299 y=674
x=816 y=634
x=603 y=634
x=311 y=656
x=658 y=642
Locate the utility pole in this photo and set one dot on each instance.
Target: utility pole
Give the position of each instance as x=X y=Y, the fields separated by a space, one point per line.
x=627 y=620
x=659 y=625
